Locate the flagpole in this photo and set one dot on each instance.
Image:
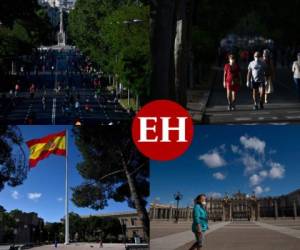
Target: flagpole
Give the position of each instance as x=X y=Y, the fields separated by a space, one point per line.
x=66 y=196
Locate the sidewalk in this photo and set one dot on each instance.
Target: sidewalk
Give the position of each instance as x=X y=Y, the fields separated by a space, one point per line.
x=243 y=235
x=173 y=241
x=281 y=229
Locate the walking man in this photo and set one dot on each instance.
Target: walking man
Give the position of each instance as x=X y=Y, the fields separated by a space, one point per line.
x=296 y=71
x=32 y=91
x=270 y=73
x=256 y=79
x=44 y=103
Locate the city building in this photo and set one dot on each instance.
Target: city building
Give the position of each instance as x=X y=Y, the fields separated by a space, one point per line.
x=29 y=227
x=235 y=207
x=133 y=224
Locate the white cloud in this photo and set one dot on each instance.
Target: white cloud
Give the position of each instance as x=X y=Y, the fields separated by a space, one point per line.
x=255 y=180
x=219 y=176
x=15 y=195
x=277 y=170
x=272 y=151
x=267 y=189
x=223 y=147
x=258 y=190
x=263 y=173
x=34 y=196
x=235 y=149
x=213 y=159
x=250 y=163
x=60 y=199
x=253 y=143
x=214 y=195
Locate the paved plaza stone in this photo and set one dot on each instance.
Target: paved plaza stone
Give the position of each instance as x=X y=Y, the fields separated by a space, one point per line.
x=238 y=235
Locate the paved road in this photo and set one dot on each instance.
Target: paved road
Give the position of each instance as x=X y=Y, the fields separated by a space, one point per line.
x=102 y=111
x=284 y=107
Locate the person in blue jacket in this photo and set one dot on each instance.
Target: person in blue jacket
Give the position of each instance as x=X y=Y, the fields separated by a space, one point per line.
x=200 y=221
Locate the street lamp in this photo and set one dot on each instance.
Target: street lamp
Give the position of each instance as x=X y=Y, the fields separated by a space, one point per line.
x=178 y=197
x=124 y=229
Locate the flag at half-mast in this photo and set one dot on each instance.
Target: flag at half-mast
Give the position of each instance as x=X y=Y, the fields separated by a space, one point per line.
x=43 y=147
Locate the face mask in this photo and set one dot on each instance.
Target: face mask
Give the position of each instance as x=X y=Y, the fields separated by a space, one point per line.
x=203 y=203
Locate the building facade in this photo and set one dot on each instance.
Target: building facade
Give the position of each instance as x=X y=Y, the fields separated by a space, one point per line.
x=235 y=207
x=130 y=222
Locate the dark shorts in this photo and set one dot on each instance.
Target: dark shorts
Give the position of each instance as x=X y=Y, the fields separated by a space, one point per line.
x=257 y=85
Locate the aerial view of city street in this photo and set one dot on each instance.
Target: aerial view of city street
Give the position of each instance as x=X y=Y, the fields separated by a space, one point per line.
x=54 y=193
x=72 y=62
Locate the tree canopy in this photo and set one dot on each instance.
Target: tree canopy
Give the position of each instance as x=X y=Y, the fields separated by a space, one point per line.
x=103 y=150
x=108 y=32
x=113 y=169
x=24 y=26
x=13 y=166
x=213 y=20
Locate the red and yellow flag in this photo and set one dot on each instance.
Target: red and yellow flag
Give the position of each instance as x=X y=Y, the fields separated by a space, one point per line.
x=43 y=147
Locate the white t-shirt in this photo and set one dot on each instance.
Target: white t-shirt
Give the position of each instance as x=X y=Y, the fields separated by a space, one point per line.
x=258 y=70
x=296 y=69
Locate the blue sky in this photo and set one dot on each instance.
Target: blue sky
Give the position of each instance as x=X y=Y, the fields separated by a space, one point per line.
x=43 y=190
x=263 y=159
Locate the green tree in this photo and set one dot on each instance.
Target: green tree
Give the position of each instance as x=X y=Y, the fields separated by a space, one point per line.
x=7 y=224
x=13 y=166
x=113 y=169
x=24 y=26
x=128 y=46
x=104 y=30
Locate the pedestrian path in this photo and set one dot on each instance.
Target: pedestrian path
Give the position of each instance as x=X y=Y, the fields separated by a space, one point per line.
x=173 y=241
x=281 y=229
x=283 y=106
x=244 y=235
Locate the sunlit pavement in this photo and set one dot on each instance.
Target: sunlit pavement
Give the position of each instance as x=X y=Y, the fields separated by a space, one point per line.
x=238 y=235
x=283 y=106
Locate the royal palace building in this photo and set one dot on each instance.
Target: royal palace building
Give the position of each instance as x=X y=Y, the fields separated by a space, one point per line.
x=235 y=207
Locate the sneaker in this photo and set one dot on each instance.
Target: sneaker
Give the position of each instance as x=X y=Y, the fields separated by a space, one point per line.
x=229 y=108
x=233 y=107
x=255 y=107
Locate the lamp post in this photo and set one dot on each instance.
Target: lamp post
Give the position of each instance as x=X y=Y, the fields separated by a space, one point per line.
x=178 y=197
x=129 y=23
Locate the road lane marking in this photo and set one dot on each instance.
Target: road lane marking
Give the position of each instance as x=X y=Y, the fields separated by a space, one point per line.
x=53 y=111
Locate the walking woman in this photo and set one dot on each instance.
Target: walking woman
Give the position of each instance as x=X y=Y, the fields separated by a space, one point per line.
x=200 y=221
x=232 y=79
x=270 y=73
x=296 y=71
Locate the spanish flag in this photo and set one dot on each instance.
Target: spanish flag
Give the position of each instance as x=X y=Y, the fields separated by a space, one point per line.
x=43 y=147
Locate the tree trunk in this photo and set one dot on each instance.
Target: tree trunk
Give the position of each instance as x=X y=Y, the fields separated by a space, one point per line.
x=190 y=56
x=141 y=210
x=162 y=13
x=180 y=53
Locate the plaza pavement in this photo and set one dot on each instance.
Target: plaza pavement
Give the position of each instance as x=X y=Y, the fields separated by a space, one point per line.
x=237 y=235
